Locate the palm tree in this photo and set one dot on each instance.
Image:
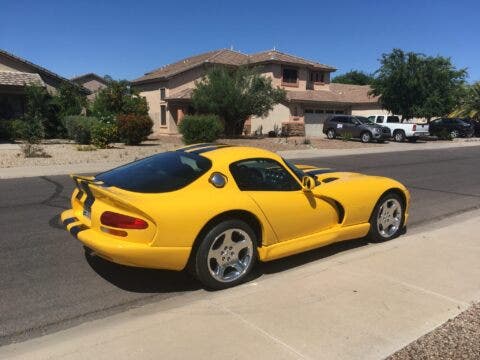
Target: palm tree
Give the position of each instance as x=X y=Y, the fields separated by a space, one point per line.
x=470 y=105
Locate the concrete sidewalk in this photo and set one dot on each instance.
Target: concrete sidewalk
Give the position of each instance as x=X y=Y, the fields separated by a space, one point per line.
x=91 y=168
x=364 y=303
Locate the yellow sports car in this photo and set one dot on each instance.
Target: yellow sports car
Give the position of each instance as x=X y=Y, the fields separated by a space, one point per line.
x=218 y=209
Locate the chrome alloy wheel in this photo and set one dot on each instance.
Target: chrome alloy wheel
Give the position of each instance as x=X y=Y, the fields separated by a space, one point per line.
x=230 y=255
x=389 y=218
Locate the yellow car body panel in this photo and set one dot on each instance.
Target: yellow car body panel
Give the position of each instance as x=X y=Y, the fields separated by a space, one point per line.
x=290 y=221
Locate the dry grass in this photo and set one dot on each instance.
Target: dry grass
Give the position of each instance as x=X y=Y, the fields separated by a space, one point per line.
x=63 y=152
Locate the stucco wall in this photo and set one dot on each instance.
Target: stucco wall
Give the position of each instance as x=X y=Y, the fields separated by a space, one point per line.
x=279 y=114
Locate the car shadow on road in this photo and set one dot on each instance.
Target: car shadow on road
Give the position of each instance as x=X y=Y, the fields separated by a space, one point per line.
x=142 y=280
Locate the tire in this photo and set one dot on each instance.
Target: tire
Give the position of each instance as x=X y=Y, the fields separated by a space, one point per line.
x=366 y=137
x=331 y=134
x=226 y=255
x=399 y=136
x=387 y=225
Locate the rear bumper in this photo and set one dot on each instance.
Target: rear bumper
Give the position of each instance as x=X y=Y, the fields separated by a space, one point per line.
x=420 y=134
x=124 y=252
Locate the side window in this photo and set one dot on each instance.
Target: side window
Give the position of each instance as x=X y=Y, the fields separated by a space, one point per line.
x=371 y=118
x=380 y=119
x=262 y=175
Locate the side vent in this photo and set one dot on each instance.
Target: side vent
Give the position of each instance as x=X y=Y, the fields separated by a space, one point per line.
x=330 y=179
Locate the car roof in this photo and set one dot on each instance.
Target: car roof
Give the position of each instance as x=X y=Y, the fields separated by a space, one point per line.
x=229 y=153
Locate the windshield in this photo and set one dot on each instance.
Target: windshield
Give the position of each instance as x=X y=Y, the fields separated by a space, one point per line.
x=159 y=173
x=364 y=120
x=298 y=173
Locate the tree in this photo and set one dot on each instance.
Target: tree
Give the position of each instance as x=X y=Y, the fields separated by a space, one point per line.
x=415 y=85
x=469 y=104
x=70 y=99
x=118 y=98
x=354 y=77
x=41 y=112
x=234 y=95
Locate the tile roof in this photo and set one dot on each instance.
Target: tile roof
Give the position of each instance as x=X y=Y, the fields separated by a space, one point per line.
x=226 y=57
x=86 y=77
x=185 y=94
x=16 y=78
x=338 y=93
x=275 y=55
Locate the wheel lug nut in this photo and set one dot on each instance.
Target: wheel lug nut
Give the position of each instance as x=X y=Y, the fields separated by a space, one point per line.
x=230 y=248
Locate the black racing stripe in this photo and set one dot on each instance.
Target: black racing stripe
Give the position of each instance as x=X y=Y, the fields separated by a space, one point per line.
x=87 y=205
x=195 y=146
x=209 y=148
x=320 y=171
x=76 y=229
x=69 y=221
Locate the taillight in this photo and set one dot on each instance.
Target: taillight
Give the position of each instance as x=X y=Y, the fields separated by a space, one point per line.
x=121 y=221
x=414 y=127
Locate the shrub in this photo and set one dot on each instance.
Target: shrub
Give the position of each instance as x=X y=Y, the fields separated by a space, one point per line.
x=346 y=136
x=33 y=151
x=31 y=130
x=79 y=128
x=6 y=132
x=86 y=148
x=133 y=129
x=200 y=128
x=103 y=134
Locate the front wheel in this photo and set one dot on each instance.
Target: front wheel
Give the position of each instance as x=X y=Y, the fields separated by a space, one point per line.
x=387 y=218
x=366 y=137
x=226 y=255
x=454 y=134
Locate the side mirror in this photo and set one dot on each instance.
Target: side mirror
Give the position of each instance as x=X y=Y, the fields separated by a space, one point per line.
x=308 y=183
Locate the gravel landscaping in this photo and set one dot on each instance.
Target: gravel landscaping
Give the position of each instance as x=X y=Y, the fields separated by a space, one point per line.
x=458 y=338
x=63 y=152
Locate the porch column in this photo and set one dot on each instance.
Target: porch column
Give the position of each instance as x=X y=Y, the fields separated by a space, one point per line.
x=180 y=115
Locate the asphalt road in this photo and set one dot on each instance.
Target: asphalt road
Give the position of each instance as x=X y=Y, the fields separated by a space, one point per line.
x=46 y=282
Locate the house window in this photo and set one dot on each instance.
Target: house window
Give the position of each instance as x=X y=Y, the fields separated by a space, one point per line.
x=162 y=94
x=163 y=115
x=317 y=76
x=290 y=76
x=308 y=111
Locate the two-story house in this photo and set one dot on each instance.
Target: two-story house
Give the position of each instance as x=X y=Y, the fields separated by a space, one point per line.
x=311 y=98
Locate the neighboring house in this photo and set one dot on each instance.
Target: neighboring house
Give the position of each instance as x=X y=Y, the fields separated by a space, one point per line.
x=92 y=82
x=311 y=98
x=15 y=74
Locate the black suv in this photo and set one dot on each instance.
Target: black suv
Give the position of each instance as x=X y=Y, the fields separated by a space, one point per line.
x=356 y=127
x=456 y=127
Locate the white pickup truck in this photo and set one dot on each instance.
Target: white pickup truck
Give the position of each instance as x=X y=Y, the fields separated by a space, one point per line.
x=401 y=131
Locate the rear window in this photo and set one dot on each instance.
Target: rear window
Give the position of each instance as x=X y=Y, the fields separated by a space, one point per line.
x=393 y=119
x=160 y=173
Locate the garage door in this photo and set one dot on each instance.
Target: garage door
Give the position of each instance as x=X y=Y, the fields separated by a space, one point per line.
x=314 y=123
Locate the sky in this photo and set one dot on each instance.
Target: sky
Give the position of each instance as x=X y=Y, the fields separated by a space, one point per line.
x=125 y=39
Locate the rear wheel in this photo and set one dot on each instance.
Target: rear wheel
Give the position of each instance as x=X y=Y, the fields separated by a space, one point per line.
x=226 y=255
x=454 y=134
x=387 y=218
x=331 y=134
x=366 y=137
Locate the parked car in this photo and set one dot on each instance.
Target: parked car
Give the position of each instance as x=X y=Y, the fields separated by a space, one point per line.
x=401 y=131
x=456 y=127
x=476 y=125
x=218 y=209
x=355 y=126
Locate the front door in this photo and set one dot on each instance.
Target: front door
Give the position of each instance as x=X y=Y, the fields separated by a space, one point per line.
x=291 y=212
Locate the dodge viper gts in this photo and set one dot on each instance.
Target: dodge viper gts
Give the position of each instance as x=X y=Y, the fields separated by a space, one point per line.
x=218 y=209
